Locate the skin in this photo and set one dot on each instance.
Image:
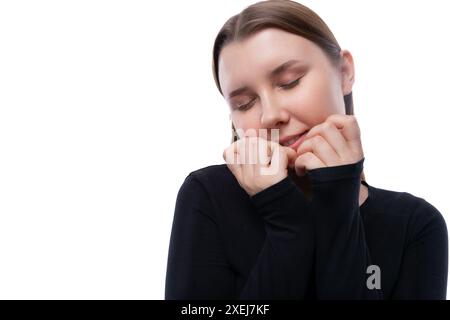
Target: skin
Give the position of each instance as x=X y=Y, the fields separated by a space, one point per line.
x=314 y=103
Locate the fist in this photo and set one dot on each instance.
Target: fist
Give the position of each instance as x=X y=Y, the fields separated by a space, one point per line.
x=335 y=142
x=258 y=163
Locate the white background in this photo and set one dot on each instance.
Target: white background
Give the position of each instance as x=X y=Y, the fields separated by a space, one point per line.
x=106 y=106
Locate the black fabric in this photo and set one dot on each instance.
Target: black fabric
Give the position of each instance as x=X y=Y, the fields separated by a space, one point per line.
x=277 y=244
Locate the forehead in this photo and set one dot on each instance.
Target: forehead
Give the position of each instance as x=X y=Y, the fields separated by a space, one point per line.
x=252 y=58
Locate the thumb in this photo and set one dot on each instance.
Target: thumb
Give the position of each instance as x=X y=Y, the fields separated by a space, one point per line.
x=291 y=156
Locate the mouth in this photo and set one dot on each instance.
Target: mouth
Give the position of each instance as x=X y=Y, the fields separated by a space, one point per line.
x=295 y=141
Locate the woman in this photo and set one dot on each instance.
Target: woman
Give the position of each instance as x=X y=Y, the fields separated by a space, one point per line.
x=300 y=222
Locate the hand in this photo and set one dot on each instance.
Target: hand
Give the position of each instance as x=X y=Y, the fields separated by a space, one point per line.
x=337 y=141
x=258 y=163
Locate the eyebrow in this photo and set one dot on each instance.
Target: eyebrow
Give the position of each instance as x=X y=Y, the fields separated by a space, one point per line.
x=271 y=75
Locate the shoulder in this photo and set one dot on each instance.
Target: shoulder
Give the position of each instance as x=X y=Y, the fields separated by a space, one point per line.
x=194 y=196
x=203 y=178
x=213 y=178
x=425 y=219
x=417 y=213
x=215 y=182
x=217 y=172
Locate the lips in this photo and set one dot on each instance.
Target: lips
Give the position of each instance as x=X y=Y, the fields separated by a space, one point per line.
x=291 y=140
x=294 y=141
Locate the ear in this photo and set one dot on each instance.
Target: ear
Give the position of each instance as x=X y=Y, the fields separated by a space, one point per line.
x=347 y=72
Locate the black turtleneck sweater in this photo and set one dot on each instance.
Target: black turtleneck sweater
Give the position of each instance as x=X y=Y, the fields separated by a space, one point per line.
x=278 y=244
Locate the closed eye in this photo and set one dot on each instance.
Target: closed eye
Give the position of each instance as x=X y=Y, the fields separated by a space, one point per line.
x=291 y=84
x=284 y=86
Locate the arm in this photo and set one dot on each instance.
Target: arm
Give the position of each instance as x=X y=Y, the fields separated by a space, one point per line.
x=197 y=267
x=342 y=255
x=283 y=269
x=424 y=267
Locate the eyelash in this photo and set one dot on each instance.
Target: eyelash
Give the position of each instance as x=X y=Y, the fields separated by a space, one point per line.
x=286 y=86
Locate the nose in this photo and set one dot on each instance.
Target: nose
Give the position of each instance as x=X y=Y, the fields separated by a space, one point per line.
x=273 y=114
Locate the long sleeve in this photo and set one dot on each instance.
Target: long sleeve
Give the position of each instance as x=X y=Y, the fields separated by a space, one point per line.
x=283 y=269
x=278 y=245
x=197 y=267
x=342 y=256
x=424 y=268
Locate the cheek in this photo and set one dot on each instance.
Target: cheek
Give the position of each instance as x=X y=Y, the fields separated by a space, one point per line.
x=319 y=100
x=245 y=122
x=333 y=96
x=312 y=103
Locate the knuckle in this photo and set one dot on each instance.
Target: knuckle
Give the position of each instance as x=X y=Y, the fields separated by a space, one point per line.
x=309 y=156
x=240 y=145
x=352 y=119
x=327 y=124
x=316 y=140
x=333 y=117
x=302 y=157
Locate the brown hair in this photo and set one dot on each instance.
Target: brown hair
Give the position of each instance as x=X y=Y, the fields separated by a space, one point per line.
x=286 y=15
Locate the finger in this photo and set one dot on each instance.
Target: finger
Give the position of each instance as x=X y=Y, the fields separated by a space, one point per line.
x=231 y=161
x=284 y=156
x=249 y=151
x=235 y=149
x=307 y=161
x=332 y=135
x=277 y=157
x=351 y=132
x=249 y=135
x=229 y=154
x=251 y=144
x=241 y=151
x=321 y=148
x=348 y=124
x=291 y=156
x=238 y=150
x=243 y=147
x=264 y=152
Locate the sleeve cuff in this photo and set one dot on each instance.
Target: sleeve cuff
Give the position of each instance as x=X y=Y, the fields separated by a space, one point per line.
x=347 y=171
x=273 y=192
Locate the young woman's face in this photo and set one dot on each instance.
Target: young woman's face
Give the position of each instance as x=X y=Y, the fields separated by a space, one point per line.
x=294 y=100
